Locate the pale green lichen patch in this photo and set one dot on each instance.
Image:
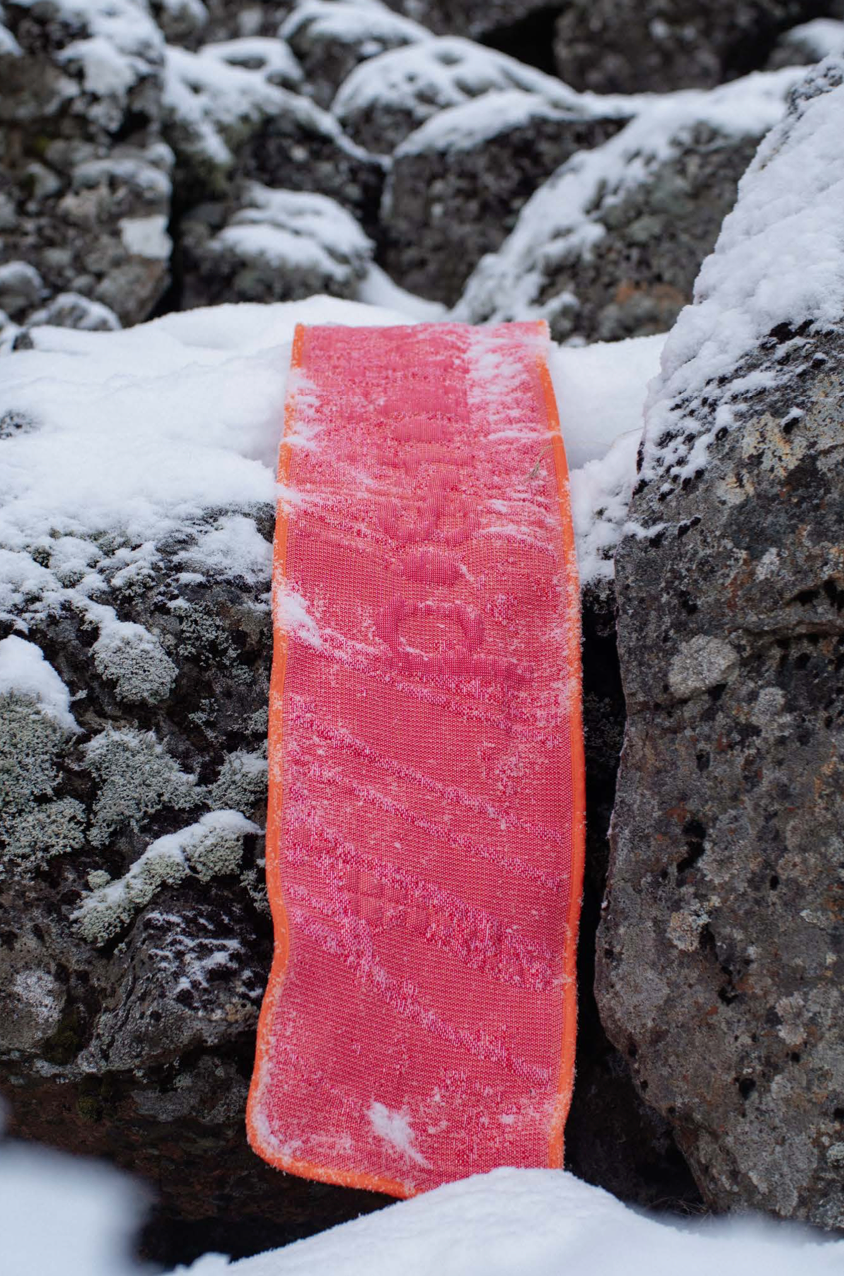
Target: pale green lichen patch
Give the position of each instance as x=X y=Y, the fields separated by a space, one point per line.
x=33 y=828
x=242 y=782
x=134 y=660
x=211 y=847
x=137 y=776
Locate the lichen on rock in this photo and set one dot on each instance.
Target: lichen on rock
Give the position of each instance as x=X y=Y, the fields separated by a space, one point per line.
x=136 y=776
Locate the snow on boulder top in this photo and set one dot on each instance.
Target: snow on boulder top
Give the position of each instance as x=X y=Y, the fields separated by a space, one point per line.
x=25 y=672
x=273 y=58
x=417 y=81
x=353 y=23
x=779 y=260
x=289 y=227
x=112 y=441
x=562 y=221
x=124 y=24
x=475 y=122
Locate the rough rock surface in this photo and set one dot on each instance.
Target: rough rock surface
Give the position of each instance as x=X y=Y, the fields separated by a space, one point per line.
x=228 y=121
x=330 y=39
x=277 y=246
x=130 y=999
x=631 y=46
x=475 y=18
x=85 y=179
x=457 y=184
x=610 y=246
x=720 y=951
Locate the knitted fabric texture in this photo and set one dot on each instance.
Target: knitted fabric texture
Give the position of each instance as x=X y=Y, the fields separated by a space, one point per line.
x=425 y=830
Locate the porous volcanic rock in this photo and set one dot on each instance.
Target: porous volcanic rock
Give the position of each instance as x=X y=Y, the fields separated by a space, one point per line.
x=457 y=184
x=640 y=46
x=85 y=183
x=721 y=946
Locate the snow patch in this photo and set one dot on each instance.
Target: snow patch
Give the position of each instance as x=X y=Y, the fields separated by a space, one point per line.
x=24 y=671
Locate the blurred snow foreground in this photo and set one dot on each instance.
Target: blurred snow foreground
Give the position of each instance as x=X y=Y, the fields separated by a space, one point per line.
x=72 y=1217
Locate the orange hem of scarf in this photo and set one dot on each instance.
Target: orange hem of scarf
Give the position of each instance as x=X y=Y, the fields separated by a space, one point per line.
x=351 y=1178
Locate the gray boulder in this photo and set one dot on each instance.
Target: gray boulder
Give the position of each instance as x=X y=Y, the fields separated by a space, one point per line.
x=85 y=184
x=388 y=96
x=331 y=37
x=627 y=46
x=721 y=946
x=230 y=113
x=457 y=184
x=276 y=246
x=610 y=246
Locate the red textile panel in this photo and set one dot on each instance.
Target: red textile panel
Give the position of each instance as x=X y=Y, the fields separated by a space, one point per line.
x=425 y=832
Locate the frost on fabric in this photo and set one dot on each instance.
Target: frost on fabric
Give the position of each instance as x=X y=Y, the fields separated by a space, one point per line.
x=562 y=222
x=395 y=1128
x=779 y=260
x=211 y=847
x=292 y=615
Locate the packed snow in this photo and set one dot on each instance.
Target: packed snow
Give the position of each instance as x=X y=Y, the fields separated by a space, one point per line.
x=779 y=260
x=120 y=438
x=68 y=1215
x=25 y=671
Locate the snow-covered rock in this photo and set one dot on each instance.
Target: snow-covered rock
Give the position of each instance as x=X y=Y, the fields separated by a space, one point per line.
x=610 y=246
x=457 y=183
x=719 y=953
x=86 y=192
x=228 y=119
x=331 y=37
x=390 y=95
x=809 y=42
x=137 y=469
